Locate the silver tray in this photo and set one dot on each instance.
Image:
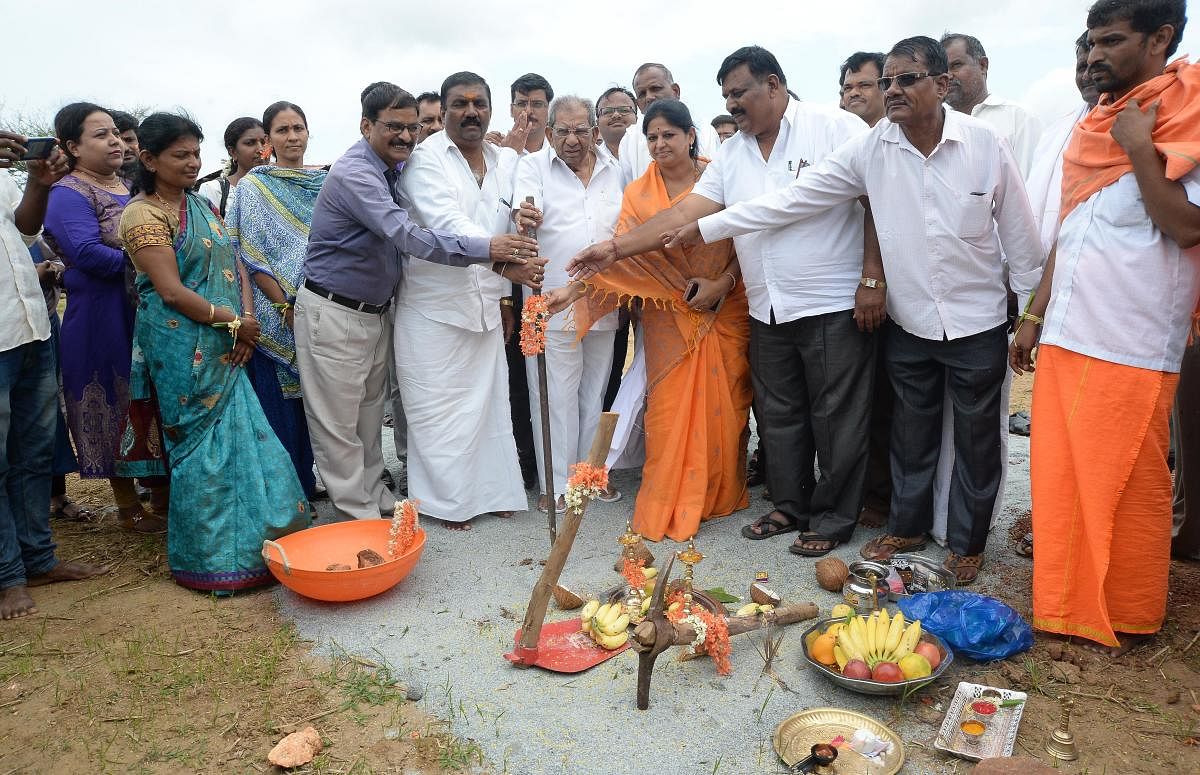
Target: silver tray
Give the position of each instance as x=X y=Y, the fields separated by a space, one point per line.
x=1001 y=734
x=863 y=686
x=928 y=574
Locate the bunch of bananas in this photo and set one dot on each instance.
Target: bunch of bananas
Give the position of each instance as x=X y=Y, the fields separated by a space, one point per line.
x=753 y=609
x=608 y=624
x=876 y=639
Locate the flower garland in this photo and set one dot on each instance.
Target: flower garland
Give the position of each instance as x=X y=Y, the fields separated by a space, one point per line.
x=403 y=531
x=534 y=315
x=712 y=632
x=634 y=572
x=586 y=480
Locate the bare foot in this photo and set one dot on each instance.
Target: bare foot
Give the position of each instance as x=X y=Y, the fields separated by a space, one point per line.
x=1126 y=643
x=873 y=518
x=15 y=602
x=560 y=503
x=68 y=571
x=458 y=527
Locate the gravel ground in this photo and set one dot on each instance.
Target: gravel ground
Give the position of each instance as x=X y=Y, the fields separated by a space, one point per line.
x=449 y=623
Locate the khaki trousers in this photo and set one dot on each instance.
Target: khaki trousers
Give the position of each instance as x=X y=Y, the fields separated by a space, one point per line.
x=343 y=358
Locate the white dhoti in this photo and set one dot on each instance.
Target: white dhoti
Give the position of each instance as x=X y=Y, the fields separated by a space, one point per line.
x=628 y=448
x=576 y=375
x=462 y=459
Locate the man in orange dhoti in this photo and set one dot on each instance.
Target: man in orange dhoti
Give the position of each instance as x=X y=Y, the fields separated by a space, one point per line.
x=1117 y=299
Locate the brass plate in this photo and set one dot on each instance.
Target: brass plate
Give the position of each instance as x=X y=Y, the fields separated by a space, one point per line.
x=795 y=737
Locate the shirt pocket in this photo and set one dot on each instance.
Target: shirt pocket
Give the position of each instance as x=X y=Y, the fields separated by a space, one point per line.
x=1121 y=205
x=975 y=216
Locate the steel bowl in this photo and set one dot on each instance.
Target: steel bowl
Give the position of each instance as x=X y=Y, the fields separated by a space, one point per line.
x=863 y=686
x=927 y=574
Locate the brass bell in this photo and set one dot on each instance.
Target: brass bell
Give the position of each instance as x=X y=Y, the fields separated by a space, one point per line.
x=1061 y=744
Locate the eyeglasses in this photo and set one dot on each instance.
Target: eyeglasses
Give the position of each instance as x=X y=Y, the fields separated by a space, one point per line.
x=581 y=133
x=527 y=104
x=904 y=80
x=395 y=127
x=619 y=110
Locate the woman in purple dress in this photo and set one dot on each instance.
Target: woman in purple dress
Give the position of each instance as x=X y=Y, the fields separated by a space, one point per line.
x=81 y=223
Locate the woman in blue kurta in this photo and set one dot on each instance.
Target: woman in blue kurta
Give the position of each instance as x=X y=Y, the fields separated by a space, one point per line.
x=97 y=329
x=268 y=220
x=232 y=483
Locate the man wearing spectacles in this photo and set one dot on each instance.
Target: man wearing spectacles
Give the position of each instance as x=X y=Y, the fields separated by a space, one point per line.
x=725 y=126
x=616 y=111
x=859 y=88
x=949 y=204
x=653 y=81
x=530 y=105
x=452 y=322
x=578 y=189
x=360 y=232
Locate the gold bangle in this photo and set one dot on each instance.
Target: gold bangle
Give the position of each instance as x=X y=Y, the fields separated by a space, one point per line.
x=506 y=302
x=212 y=312
x=1032 y=318
x=732 y=279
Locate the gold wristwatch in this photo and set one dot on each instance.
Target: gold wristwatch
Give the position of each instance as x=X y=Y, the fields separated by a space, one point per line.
x=871 y=282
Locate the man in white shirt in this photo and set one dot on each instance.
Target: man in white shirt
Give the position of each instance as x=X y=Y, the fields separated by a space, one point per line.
x=653 y=81
x=859 y=86
x=969 y=94
x=811 y=365
x=28 y=391
x=451 y=325
x=578 y=188
x=1118 y=301
x=954 y=198
x=616 y=111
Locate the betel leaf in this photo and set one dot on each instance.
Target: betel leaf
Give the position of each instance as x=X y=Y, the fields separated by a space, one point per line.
x=720 y=595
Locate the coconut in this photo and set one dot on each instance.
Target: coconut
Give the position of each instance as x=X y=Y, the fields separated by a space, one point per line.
x=760 y=594
x=831 y=573
x=566 y=600
x=639 y=552
x=338 y=566
x=369 y=557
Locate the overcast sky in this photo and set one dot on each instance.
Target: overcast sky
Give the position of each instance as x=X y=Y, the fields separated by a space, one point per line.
x=219 y=59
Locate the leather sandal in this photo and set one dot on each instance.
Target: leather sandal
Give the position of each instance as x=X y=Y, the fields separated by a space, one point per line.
x=765 y=527
x=965 y=567
x=882 y=548
x=808 y=537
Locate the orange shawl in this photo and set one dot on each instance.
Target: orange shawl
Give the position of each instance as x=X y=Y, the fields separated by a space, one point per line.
x=659 y=278
x=1094 y=160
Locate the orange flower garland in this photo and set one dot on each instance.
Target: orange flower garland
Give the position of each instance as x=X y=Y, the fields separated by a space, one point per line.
x=586 y=480
x=716 y=632
x=634 y=573
x=534 y=315
x=403 y=531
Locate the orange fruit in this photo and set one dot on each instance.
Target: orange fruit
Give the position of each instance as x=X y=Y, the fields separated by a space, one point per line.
x=822 y=649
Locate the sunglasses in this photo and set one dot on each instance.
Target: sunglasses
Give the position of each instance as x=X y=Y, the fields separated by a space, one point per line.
x=904 y=80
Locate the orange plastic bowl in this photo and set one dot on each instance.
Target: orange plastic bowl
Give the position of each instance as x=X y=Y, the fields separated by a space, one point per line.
x=299 y=560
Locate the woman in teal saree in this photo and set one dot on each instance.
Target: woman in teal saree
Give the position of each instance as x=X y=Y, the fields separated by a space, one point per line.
x=233 y=484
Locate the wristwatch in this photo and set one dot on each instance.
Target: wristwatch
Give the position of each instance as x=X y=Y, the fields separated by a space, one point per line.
x=871 y=282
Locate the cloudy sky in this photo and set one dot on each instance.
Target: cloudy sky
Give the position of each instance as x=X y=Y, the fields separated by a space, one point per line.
x=219 y=59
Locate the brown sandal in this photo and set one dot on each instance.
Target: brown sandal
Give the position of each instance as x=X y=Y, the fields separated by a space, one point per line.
x=141 y=521
x=964 y=567
x=882 y=548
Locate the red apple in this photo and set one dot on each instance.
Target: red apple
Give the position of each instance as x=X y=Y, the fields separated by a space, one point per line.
x=856 y=668
x=887 y=672
x=930 y=652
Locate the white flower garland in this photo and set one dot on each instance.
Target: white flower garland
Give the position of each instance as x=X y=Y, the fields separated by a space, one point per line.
x=575 y=495
x=699 y=626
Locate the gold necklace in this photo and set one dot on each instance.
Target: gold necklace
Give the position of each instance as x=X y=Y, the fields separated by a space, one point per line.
x=166 y=205
x=114 y=185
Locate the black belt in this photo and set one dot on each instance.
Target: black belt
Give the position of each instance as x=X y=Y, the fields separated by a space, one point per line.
x=346 y=301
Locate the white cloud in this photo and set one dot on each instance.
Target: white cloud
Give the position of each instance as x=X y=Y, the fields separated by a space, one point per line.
x=222 y=59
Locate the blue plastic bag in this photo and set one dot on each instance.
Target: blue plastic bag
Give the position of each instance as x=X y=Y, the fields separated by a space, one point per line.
x=979 y=626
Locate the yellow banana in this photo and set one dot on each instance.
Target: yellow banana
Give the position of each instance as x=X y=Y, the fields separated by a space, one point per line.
x=614 y=613
x=646 y=606
x=840 y=656
x=749 y=609
x=895 y=630
x=602 y=612
x=870 y=628
x=620 y=624
x=908 y=641
x=858 y=634
x=847 y=644
x=881 y=631
x=650 y=572
x=590 y=609
x=673 y=607
x=612 y=642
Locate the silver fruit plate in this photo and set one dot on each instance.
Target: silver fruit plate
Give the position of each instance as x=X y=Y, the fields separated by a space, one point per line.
x=864 y=686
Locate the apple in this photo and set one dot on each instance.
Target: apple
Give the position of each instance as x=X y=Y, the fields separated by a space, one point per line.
x=856 y=668
x=887 y=672
x=930 y=652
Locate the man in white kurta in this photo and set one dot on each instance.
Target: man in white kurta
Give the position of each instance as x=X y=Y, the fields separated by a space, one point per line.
x=652 y=82
x=578 y=187
x=462 y=460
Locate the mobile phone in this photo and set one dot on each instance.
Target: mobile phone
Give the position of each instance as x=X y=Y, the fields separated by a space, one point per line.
x=39 y=148
x=692 y=288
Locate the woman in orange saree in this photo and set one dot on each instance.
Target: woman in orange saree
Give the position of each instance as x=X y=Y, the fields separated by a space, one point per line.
x=697 y=371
